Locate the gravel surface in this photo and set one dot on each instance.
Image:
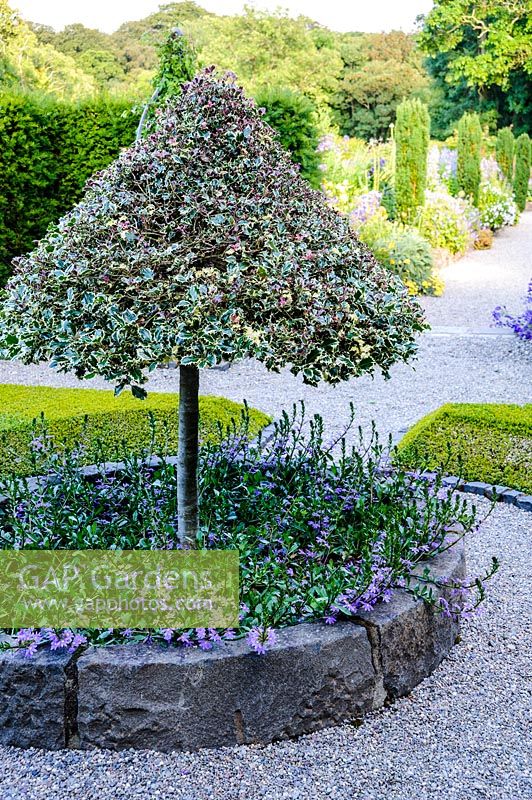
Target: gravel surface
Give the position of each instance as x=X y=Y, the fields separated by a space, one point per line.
x=461 y=735
x=484 y=279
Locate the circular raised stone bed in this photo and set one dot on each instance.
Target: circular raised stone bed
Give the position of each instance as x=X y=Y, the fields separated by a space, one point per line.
x=171 y=699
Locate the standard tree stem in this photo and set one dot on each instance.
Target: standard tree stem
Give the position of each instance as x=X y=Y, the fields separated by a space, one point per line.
x=187 y=456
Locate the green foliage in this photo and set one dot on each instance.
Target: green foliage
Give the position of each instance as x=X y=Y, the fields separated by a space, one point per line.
x=379 y=71
x=400 y=249
x=490 y=443
x=47 y=152
x=445 y=221
x=407 y=254
x=348 y=531
x=504 y=152
x=468 y=148
x=106 y=426
x=486 y=41
x=271 y=49
x=411 y=143
x=177 y=64
x=522 y=170
x=27 y=65
x=496 y=204
x=178 y=248
x=293 y=117
x=478 y=58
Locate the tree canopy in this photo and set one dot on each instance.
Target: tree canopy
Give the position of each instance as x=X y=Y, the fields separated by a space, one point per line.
x=487 y=39
x=480 y=59
x=26 y=64
x=178 y=248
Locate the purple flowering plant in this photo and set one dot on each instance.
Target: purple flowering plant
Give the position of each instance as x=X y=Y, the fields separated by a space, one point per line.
x=522 y=324
x=324 y=530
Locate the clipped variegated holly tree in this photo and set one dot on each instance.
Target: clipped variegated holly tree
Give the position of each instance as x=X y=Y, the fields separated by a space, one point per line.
x=201 y=244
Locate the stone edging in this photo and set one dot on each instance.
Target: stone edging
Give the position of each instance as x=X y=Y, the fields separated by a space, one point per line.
x=167 y=698
x=499 y=493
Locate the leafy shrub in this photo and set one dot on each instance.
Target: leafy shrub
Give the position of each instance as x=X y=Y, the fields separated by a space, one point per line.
x=403 y=251
x=318 y=538
x=521 y=325
x=108 y=425
x=293 y=116
x=47 y=153
x=468 y=163
x=411 y=150
x=446 y=221
x=496 y=205
x=481 y=442
x=504 y=152
x=522 y=170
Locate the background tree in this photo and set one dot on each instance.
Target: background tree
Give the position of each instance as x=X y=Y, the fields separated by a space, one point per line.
x=504 y=151
x=522 y=170
x=266 y=49
x=412 y=131
x=27 y=65
x=468 y=161
x=380 y=70
x=480 y=59
x=201 y=243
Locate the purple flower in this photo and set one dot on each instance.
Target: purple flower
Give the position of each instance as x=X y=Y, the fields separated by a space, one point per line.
x=260 y=639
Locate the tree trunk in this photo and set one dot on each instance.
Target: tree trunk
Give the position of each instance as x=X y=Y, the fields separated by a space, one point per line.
x=187 y=456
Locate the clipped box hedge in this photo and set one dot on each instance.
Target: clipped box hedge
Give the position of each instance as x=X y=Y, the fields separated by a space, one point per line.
x=104 y=423
x=481 y=442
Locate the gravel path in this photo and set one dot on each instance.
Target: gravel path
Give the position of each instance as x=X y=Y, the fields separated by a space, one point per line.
x=461 y=735
x=484 y=279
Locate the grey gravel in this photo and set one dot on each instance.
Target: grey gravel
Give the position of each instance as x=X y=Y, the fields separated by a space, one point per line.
x=462 y=734
x=484 y=279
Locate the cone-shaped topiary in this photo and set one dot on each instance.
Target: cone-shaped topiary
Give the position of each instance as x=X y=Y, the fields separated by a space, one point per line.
x=522 y=170
x=504 y=152
x=412 y=132
x=468 y=161
x=201 y=243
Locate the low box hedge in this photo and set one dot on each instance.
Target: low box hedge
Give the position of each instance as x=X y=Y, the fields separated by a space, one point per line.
x=103 y=422
x=481 y=442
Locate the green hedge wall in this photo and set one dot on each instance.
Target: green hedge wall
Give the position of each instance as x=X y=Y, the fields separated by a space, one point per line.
x=47 y=152
x=102 y=422
x=484 y=442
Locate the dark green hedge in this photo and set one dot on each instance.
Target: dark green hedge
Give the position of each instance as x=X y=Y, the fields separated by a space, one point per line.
x=482 y=442
x=294 y=117
x=47 y=152
x=100 y=421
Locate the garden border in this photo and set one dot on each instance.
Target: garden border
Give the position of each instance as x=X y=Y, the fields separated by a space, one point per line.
x=168 y=698
x=163 y=698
